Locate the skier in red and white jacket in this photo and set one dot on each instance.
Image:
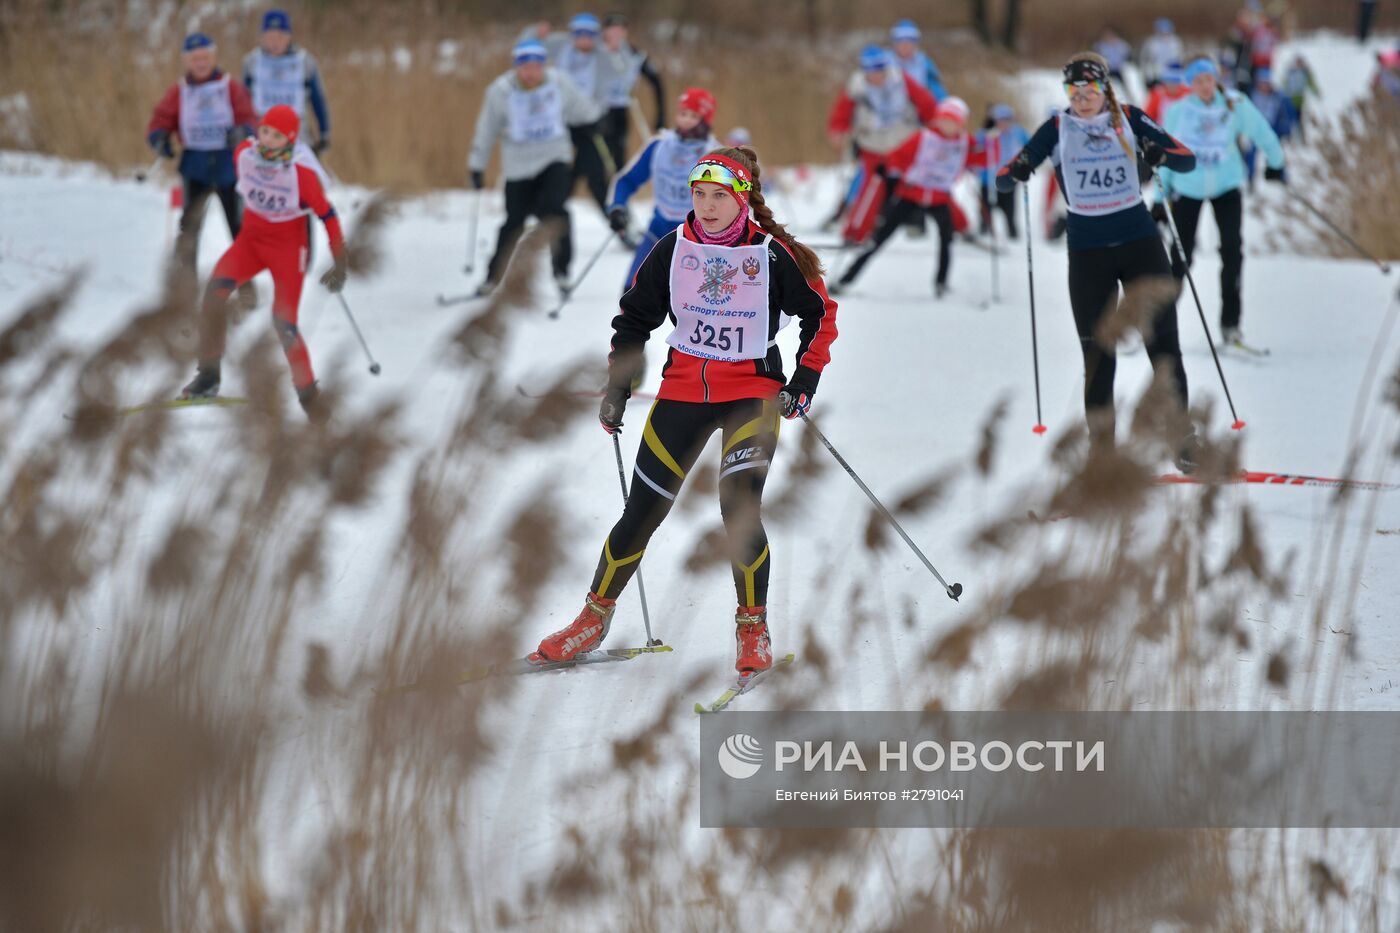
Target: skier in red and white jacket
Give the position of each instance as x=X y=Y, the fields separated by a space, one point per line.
x=924 y=168
x=878 y=109
x=728 y=277
x=278 y=190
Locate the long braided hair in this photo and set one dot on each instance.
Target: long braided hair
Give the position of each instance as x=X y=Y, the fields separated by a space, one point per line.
x=1117 y=115
x=807 y=261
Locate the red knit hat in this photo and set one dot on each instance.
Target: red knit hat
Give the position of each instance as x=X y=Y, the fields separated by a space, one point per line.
x=701 y=101
x=284 y=120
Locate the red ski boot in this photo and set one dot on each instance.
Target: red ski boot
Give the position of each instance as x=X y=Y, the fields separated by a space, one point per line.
x=583 y=634
x=751 y=636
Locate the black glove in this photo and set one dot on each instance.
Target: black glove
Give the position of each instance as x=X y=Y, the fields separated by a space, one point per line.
x=1275 y=174
x=618 y=219
x=1159 y=212
x=322 y=145
x=613 y=405
x=160 y=142
x=795 y=400
x=334 y=279
x=1153 y=154
x=1019 y=168
x=478 y=180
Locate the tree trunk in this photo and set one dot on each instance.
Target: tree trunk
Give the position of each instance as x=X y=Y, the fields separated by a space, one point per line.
x=1012 y=24
x=979 y=21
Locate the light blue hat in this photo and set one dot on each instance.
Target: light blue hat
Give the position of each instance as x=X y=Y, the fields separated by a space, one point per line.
x=1003 y=112
x=528 y=50
x=874 y=58
x=1201 y=66
x=905 y=31
x=585 y=23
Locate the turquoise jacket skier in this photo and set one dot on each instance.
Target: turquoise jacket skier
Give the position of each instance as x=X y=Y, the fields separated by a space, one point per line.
x=1211 y=131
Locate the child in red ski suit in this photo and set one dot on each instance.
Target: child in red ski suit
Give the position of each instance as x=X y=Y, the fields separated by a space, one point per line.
x=924 y=168
x=278 y=191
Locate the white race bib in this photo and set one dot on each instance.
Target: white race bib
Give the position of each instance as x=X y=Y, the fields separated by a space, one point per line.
x=1100 y=176
x=1206 y=132
x=719 y=295
x=670 y=173
x=206 y=115
x=582 y=69
x=270 y=190
x=938 y=162
x=625 y=66
x=279 y=80
x=536 y=115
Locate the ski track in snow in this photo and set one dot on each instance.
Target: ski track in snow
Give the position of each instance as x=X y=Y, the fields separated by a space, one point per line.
x=908 y=388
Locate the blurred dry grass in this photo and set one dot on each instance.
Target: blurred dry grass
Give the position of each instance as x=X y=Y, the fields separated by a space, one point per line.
x=1351 y=171
x=143 y=773
x=141 y=782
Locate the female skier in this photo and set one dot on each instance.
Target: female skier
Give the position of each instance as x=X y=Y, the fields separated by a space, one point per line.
x=1209 y=120
x=1095 y=145
x=924 y=167
x=277 y=191
x=728 y=277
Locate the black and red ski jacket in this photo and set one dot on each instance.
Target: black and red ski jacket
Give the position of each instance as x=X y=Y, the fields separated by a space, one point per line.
x=685 y=378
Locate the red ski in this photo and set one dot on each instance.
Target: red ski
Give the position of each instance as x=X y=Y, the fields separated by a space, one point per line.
x=1277 y=479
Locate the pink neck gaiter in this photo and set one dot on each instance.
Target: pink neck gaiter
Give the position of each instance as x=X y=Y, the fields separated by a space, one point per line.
x=729 y=236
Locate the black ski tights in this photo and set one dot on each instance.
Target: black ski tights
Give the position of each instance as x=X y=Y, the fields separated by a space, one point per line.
x=1094 y=276
x=672 y=439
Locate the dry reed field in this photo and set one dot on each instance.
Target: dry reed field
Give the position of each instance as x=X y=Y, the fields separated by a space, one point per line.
x=158 y=708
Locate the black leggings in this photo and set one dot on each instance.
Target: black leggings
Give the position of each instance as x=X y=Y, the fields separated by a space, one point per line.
x=591 y=162
x=1094 y=276
x=615 y=127
x=1004 y=201
x=1229 y=218
x=542 y=196
x=197 y=195
x=674 y=435
x=898 y=213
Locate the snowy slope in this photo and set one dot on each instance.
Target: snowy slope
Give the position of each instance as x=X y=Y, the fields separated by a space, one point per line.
x=907 y=392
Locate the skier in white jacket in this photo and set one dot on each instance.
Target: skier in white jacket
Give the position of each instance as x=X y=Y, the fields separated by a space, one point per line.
x=530 y=109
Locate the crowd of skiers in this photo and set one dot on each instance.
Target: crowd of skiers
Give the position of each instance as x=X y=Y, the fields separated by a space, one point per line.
x=714 y=262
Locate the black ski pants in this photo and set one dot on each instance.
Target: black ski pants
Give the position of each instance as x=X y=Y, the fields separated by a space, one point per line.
x=1094 y=277
x=543 y=197
x=197 y=194
x=615 y=127
x=1004 y=201
x=1229 y=220
x=897 y=213
x=591 y=162
x=672 y=439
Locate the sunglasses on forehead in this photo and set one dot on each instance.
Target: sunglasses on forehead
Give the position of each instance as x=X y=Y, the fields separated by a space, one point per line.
x=719 y=174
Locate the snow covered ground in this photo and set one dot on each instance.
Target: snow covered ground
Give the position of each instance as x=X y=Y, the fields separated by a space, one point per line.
x=910 y=385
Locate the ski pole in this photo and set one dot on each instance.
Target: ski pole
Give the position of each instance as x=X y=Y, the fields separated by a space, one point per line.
x=990 y=206
x=953 y=591
x=1238 y=425
x=569 y=291
x=1030 y=274
x=641 y=587
x=1384 y=266
x=373 y=366
x=470 y=267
